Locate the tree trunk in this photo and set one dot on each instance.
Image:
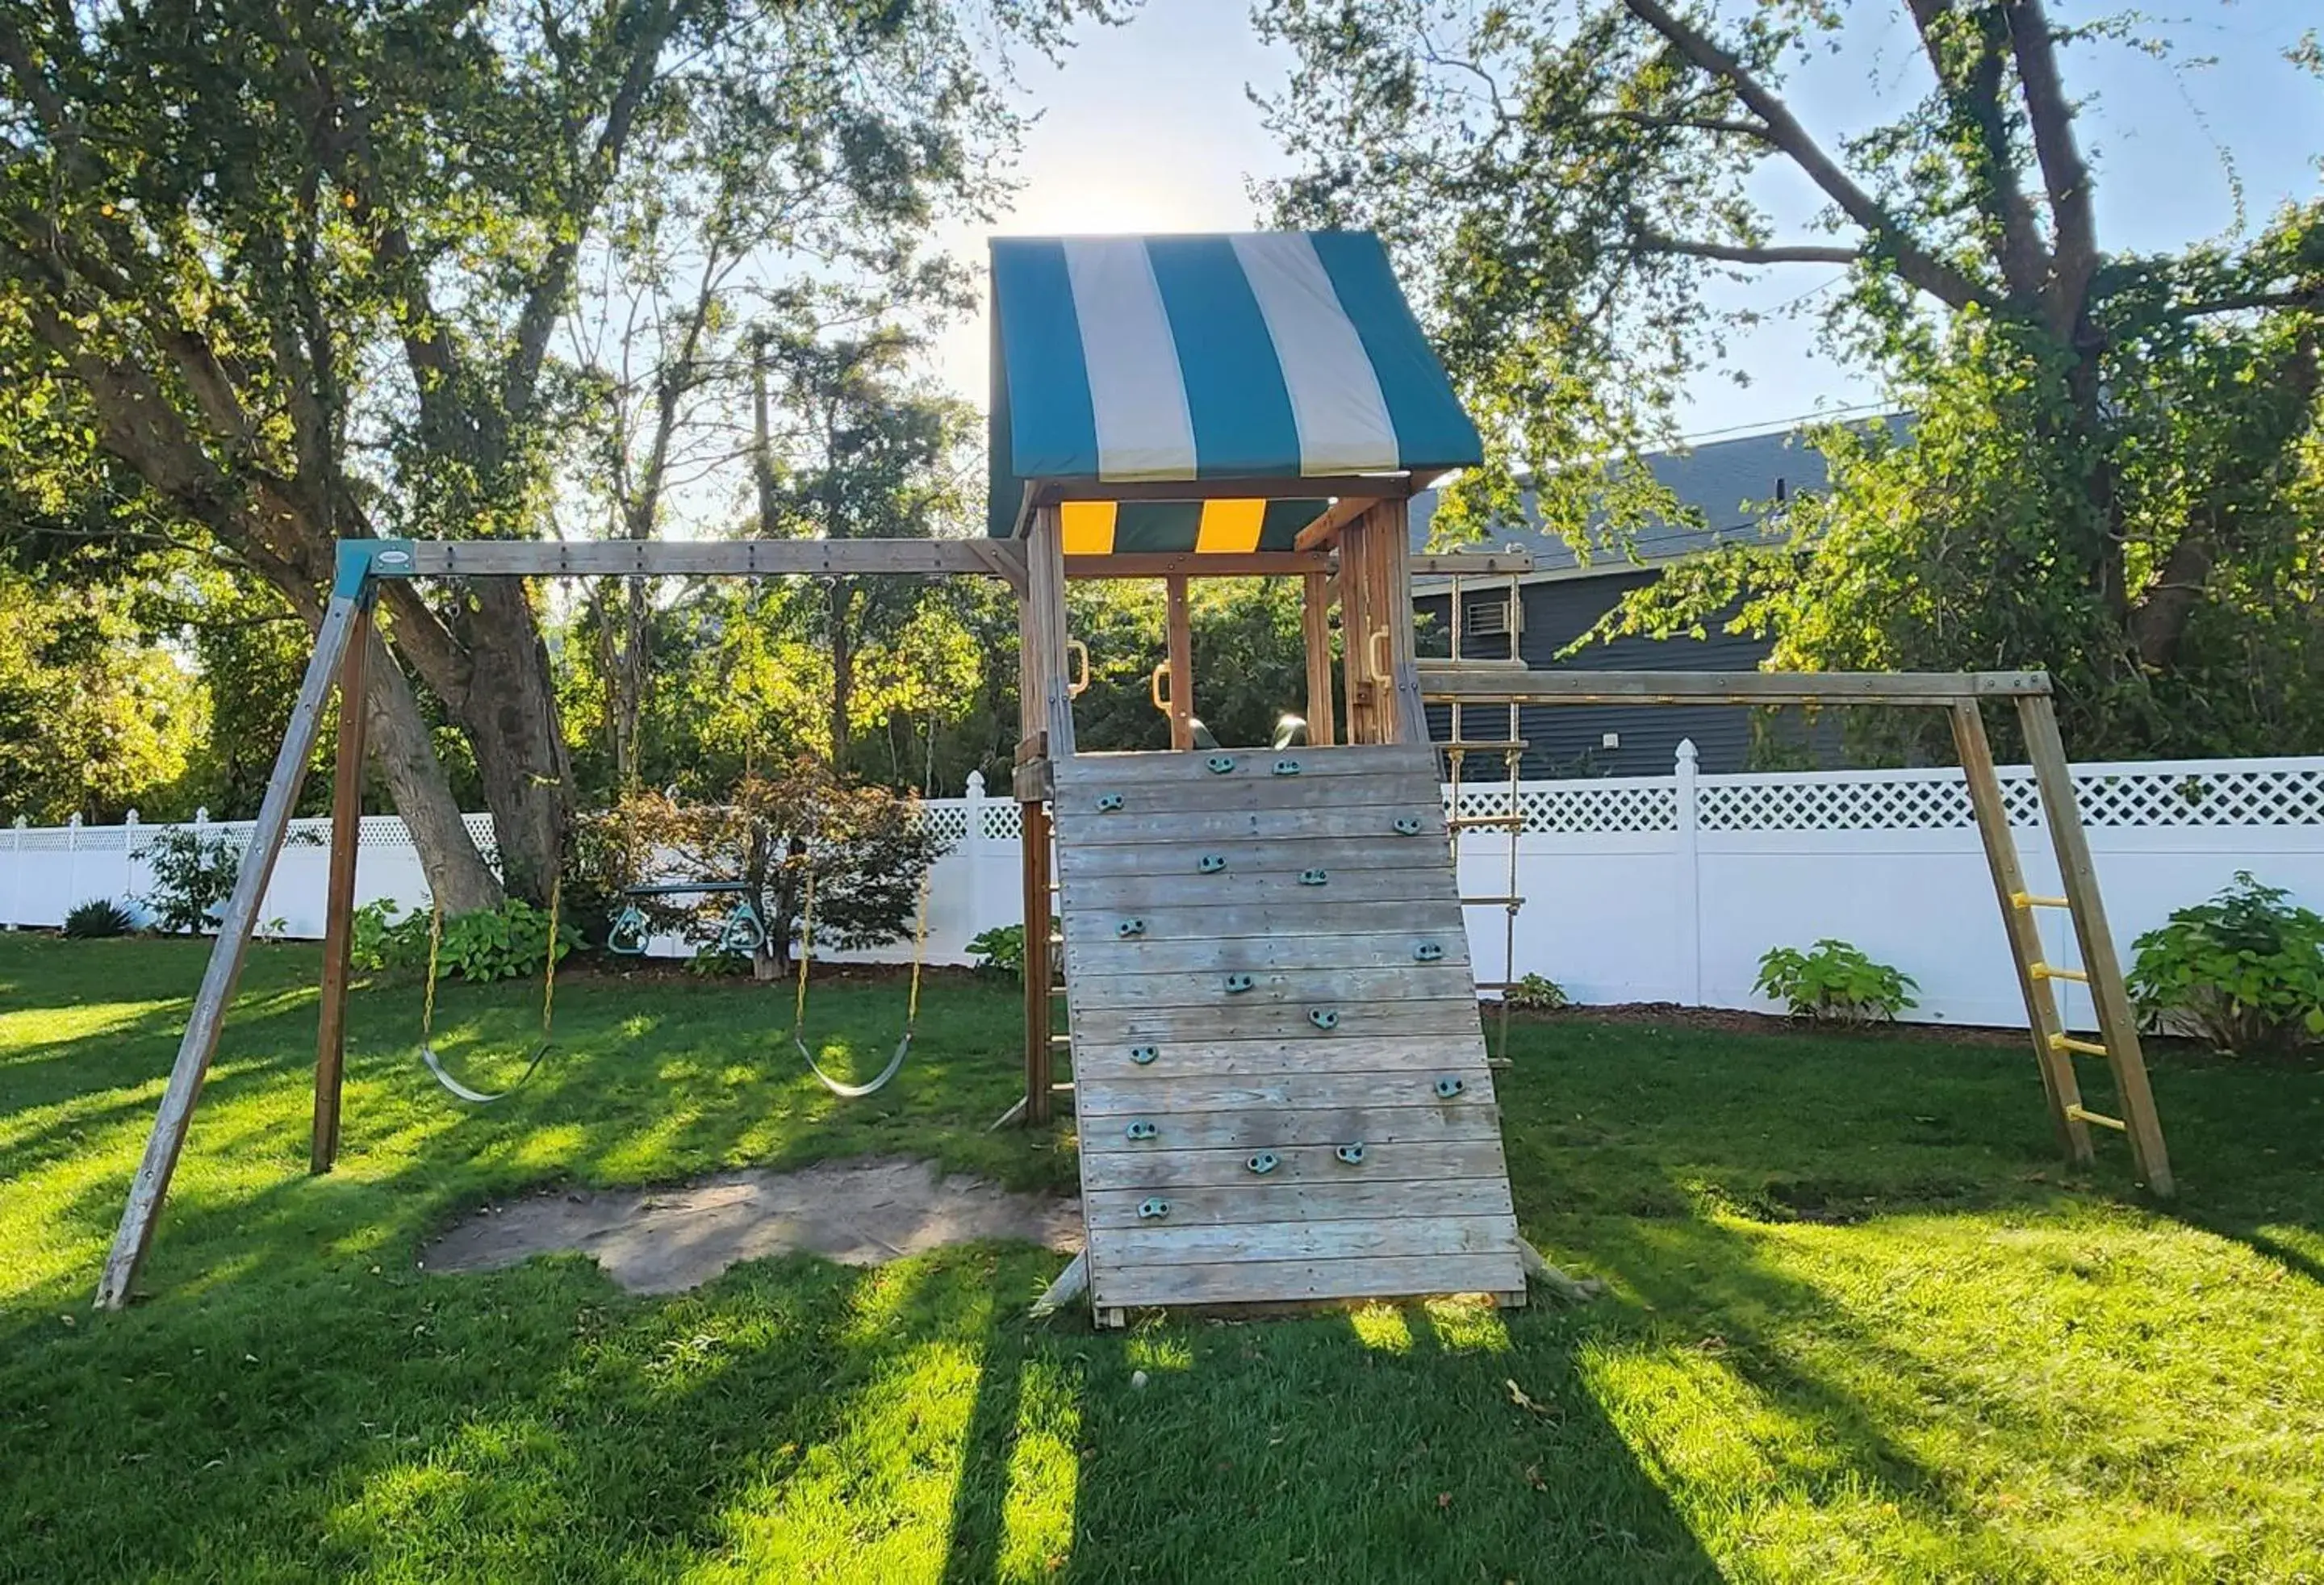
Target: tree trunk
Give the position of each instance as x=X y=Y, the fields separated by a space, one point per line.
x=510 y=713
x=457 y=873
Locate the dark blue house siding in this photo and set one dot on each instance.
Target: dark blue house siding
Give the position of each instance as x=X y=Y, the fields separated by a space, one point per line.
x=1570 y=741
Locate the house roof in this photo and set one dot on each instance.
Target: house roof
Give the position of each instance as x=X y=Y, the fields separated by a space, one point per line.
x=1276 y=355
x=1731 y=482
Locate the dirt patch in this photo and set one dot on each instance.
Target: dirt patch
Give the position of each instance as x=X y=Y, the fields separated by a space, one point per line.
x=861 y=1213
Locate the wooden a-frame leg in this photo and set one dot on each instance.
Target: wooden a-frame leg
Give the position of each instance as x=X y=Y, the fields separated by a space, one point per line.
x=2117 y=1025
x=2058 y=1085
x=338 y=918
x=199 y=1044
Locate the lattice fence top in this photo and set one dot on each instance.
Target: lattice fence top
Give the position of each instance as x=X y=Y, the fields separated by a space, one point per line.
x=1633 y=804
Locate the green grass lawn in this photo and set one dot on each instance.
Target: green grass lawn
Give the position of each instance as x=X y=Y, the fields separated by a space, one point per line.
x=1862 y=1326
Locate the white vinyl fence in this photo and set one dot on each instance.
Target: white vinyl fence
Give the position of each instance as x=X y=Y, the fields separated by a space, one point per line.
x=1644 y=888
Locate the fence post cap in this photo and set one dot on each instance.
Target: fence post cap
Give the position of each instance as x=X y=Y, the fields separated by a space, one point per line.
x=201 y=817
x=74 y=818
x=976 y=784
x=1686 y=752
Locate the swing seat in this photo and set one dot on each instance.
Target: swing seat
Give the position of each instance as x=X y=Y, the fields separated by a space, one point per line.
x=847 y=1091
x=631 y=933
x=744 y=932
x=478 y=1097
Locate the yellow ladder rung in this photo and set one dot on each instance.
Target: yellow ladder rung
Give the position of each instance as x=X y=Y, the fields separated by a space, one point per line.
x=2053 y=971
x=2082 y=1116
x=2026 y=900
x=2068 y=1042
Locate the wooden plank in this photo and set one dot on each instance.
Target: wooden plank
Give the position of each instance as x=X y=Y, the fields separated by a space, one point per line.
x=199 y=1043
x=1507 y=562
x=339 y=896
x=1159 y=1243
x=2117 y=1025
x=1253 y=767
x=1231 y=1020
x=1257 y=889
x=1168 y=1171
x=1108 y=1061
x=1045 y=570
x=1436 y=919
x=1152 y=1091
x=1178 y=634
x=1319 y=487
x=1269 y=1128
x=1726 y=687
x=1337 y=820
x=1231 y=794
x=1299 y=1282
x=2060 y=1086
x=1288 y=854
x=1359 y=1192
x=1204 y=989
x=1039 y=967
x=1316 y=636
x=702 y=558
x=1260 y=954
x=1200 y=564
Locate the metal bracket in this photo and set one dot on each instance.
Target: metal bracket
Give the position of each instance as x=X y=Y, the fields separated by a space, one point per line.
x=1265 y=1162
x=362 y=560
x=1140 y=1129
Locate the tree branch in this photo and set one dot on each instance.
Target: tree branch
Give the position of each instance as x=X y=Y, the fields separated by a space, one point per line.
x=2075 y=258
x=1918 y=266
x=1975 y=95
x=1736 y=253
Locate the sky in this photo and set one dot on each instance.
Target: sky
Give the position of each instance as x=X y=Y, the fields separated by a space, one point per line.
x=1147 y=128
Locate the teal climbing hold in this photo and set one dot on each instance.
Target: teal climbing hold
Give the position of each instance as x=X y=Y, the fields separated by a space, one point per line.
x=1286 y=768
x=1151 y=1210
x=1323 y=1018
x=1406 y=825
x=1220 y=764
x=1314 y=877
x=1354 y=1155
x=1448 y=1087
x=1129 y=927
x=1140 y=1129
x=1211 y=864
x=1263 y=1163
x=1107 y=802
x=1428 y=952
x=1238 y=983
x=1143 y=1055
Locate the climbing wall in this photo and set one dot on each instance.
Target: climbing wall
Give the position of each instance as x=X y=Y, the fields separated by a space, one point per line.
x=1278 y=1071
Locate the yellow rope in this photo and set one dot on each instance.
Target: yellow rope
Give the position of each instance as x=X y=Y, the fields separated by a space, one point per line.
x=549 y=976
x=435 y=939
x=807 y=947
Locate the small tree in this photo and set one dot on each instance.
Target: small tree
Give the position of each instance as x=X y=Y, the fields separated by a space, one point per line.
x=865 y=847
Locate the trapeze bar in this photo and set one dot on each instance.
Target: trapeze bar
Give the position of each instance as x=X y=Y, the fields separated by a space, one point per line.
x=1458 y=684
x=666 y=559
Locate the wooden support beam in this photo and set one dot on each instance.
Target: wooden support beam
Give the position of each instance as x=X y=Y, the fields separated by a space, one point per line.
x=2060 y=1087
x=199 y=1043
x=1039 y=966
x=1473 y=564
x=713 y=558
x=1201 y=564
x=2117 y=1025
x=1334 y=519
x=339 y=905
x=1356 y=621
x=1316 y=636
x=1179 y=631
x=1392 y=548
x=1942 y=689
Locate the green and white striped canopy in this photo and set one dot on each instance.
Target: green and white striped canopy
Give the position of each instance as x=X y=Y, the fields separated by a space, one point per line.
x=1273 y=356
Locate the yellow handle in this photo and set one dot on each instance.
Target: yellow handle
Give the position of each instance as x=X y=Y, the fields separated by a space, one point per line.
x=1079 y=682
x=1376 y=655
x=1154 y=687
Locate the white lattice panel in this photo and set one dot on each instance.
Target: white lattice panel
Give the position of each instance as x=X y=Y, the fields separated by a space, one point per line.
x=1938 y=800
x=1003 y=821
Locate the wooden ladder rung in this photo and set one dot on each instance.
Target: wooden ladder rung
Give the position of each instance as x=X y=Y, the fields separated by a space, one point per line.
x=1493 y=902
x=2053 y=971
x=2084 y=1115
x=2026 y=900
x=1516 y=745
x=1470 y=822
x=2087 y=1047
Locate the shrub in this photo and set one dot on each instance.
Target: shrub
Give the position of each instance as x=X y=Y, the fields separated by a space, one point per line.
x=377 y=939
x=1834 y=980
x=500 y=944
x=2243 y=971
x=1538 y=993
x=1000 y=950
x=711 y=963
x=193 y=875
x=99 y=917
